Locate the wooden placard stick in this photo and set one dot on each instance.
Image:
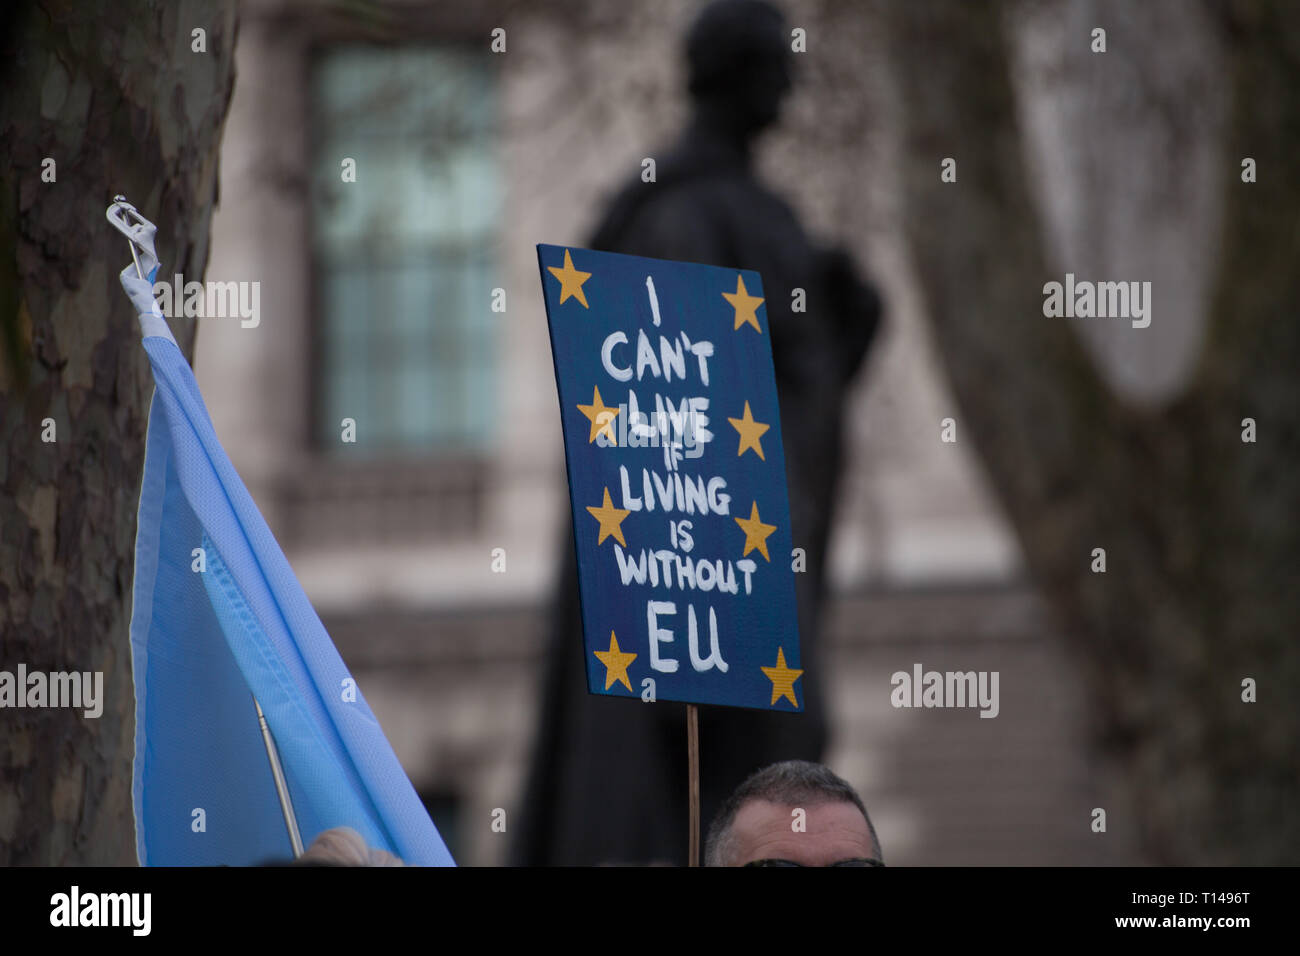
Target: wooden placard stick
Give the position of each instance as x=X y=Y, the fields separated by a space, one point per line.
x=693 y=782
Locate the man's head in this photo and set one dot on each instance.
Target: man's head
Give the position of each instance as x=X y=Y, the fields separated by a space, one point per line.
x=759 y=821
x=738 y=57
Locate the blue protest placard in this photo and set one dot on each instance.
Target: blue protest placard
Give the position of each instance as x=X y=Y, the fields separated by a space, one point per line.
x=672 y=437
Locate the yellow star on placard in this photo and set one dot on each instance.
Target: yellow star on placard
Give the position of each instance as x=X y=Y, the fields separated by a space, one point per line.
x=571 y=280
x=750 y=432
x=610 y=519
x=616 y=662
x=782 y=679
x=746 y=305
x=601 y=417
x=755 y=532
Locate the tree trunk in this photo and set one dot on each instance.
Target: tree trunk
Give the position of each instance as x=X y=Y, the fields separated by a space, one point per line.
x=118 y=98
x=1202 y=588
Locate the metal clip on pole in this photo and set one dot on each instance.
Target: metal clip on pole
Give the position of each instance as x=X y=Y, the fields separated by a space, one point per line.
x=139 y=234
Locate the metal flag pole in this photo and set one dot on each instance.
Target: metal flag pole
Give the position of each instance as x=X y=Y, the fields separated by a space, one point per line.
x=281 y=785
x=142 y=231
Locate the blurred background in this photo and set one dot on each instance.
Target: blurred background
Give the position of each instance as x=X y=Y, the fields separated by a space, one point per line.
x=377 y=305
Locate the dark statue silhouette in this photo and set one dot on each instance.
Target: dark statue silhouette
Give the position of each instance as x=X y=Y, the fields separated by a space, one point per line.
x=607 y=782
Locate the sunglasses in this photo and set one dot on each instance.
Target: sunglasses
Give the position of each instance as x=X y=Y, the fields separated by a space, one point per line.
x=859 y=861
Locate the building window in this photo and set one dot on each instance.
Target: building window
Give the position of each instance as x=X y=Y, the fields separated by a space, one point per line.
x=405 y=257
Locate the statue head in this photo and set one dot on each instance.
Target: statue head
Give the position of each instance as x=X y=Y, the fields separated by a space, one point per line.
x=738 y=58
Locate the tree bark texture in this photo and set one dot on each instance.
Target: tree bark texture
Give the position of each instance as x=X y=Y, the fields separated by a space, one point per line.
x=117 y=97
x=1202 y=587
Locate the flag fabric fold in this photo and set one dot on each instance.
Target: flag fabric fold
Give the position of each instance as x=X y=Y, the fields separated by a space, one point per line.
x=220 y=619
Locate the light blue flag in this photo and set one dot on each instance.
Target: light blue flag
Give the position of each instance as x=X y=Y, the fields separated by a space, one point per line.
x=205 y=644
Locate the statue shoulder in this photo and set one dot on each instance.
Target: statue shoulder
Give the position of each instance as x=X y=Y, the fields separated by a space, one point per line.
x=680 y=219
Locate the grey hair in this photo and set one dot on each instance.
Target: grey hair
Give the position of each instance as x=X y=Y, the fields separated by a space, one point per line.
x=790 y=782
